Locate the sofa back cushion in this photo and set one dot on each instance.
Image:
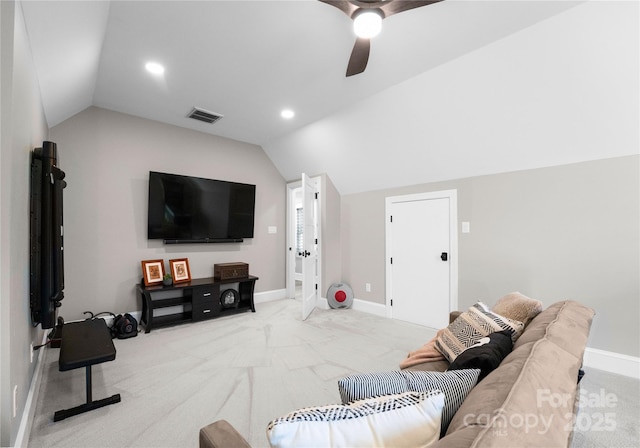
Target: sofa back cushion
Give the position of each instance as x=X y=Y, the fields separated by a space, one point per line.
x=561 y=322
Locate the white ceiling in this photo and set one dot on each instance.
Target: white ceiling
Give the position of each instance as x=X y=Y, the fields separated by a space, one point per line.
x=572 y=64
x=246 y=60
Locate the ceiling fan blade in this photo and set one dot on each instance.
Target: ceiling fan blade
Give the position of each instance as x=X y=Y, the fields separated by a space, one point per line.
x=343 y=5
x=389 y=7
x=395 y=6
x=359 y=57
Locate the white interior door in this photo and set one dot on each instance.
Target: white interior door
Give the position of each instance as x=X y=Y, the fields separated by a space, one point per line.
x=309 y=257
x=420 y=250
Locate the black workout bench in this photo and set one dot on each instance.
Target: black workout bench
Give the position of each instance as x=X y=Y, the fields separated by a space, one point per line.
x=84 y=344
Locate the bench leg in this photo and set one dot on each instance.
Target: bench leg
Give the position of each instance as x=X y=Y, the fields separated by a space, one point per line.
x=89 y=405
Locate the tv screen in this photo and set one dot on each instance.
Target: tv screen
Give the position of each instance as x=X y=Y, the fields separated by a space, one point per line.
x=46 y=235
x=193 y=209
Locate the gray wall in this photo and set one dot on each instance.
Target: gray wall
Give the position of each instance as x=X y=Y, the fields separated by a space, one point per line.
x=23 y=128
x=107 y=157
x=565 y=232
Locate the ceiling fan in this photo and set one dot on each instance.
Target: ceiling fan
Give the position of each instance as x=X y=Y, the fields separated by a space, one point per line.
x=367 y=16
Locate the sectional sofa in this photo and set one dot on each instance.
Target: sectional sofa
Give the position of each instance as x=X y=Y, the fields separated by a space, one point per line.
x=530 y=399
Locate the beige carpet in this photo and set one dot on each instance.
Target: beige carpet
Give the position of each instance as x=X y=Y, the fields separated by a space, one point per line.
x=249 y=369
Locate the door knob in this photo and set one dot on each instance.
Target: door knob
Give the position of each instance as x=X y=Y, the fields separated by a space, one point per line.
x=444 y=256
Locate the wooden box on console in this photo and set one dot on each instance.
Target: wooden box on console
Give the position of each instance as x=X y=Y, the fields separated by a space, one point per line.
x=229 y=271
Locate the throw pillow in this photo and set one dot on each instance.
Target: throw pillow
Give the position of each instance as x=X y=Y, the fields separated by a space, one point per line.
x=455 y=386
x=471 y=326
x=486 y=355
x=518 y=307
x=408 y=419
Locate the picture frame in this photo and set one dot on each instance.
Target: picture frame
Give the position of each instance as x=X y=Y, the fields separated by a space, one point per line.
x=180 y=270
x=153 y=272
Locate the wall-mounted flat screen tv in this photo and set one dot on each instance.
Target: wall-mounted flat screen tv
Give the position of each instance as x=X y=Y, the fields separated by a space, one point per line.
x=184 y=209
x=46 y=235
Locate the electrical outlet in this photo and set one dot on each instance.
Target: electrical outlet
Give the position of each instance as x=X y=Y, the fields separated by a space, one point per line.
x=367 y=287
x=31 y=352
x=15 y=400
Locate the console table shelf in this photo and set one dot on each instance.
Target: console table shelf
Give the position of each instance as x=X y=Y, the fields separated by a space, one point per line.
x=199 y=299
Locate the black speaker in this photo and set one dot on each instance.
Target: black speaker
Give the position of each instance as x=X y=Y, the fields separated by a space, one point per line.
x=124 y=326
x=229 y=298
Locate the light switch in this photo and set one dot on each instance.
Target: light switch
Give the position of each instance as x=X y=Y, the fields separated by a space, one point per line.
x=272 y=229
x=466 y=227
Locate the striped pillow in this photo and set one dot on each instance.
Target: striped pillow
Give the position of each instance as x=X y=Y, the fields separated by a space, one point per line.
x=471 y=326
x=409 y=419
x=455 y=385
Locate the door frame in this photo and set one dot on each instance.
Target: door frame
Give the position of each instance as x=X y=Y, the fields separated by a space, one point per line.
x=290 y=265
x=452 y=195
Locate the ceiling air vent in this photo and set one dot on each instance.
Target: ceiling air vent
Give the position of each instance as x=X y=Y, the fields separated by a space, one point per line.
x=204 y=115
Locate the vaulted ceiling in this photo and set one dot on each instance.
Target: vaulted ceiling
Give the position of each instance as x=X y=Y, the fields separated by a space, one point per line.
x=248 y=60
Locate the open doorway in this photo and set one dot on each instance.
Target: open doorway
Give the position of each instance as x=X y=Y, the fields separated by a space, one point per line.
x=296 y=240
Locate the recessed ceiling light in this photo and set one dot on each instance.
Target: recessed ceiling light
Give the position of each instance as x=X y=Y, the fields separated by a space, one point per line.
x=287 y=114
x=155 y=68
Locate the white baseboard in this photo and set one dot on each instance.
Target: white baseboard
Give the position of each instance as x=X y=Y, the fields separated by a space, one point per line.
x=358 y=305
x=26 y=420
x=612 y=362
x=365 y=306
x=269 y=296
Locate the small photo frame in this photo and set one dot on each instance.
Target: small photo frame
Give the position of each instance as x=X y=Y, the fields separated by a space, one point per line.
x=153 y=272
x=180 y=270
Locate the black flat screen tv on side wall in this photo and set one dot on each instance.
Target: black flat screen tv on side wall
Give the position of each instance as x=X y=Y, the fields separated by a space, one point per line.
x=46 y=235
x=186 y=209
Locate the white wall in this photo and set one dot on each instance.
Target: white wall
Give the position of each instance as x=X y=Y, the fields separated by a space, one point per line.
x=23 y=128
x=107 y=157
x=562 y=91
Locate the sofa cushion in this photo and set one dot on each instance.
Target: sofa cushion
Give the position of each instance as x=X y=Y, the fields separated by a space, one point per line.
x=517 y=306
x=408 y=419
x=486 y=355
x=471 y=326
x=431 y=366
x=455 y=386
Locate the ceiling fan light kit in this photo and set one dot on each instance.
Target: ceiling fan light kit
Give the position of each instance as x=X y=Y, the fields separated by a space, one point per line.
x=367 y=23
x=367 y=18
